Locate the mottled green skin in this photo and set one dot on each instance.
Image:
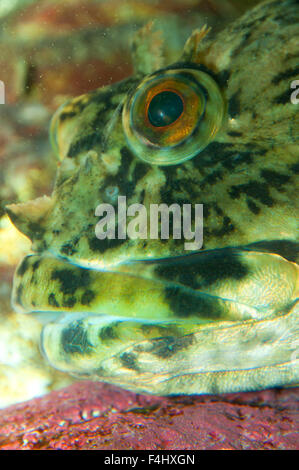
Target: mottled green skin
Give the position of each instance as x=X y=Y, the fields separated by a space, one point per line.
x=222 y=320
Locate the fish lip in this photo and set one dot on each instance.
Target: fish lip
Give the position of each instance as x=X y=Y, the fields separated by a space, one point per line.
x=100 y=265
x=45 y=316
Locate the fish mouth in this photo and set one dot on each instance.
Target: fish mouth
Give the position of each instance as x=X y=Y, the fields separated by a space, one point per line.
x=125 y=325
x=48 y=287
x=56 y=290
x=209 y=285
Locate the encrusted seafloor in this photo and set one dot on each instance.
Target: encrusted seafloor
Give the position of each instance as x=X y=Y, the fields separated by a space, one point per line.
x=89 y=415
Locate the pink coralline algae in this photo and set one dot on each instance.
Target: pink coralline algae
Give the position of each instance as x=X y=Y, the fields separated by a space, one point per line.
x=89 y=415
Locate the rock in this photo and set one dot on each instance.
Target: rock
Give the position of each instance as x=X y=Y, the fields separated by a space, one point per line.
x=88 y=415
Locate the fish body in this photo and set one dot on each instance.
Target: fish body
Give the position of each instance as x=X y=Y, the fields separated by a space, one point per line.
x=216 y=128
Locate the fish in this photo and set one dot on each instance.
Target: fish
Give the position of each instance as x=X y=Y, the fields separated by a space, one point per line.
x=216 y=129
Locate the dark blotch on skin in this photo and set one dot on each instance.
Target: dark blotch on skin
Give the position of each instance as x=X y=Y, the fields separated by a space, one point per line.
x=185 y=304
x=274 y=178
x=142 y=195
x=222 y=77
x=120 y=180
x=139 y=172
x=126 y=159
x=283 y=98
x=169 y=345
x=234 y=107
x=295 y=168
x=235 y=134
x=69 y=302
x=19 y=294
x=87 y=297
x=98 y=123
x=84 y=144
x=240 y=48
x=24 y=266
x=214 y=153
x=74 y=339
x=128 y=360
x=288 y=249
x=208 y=267
x=52 y=300
x=182 y=303
x=254 y=189
x=213 y=178
x=227 y=227
x=125 y=187
x=223 y=264
x=36 y=231
x=68 y=249
x=284 y=19
x=218 y=209
x=186 y=275
x=71 y=281
x=170 y=186
x=108 y=333
x=102 y=245
x=289 y=73
x=235 y=159
x=101 y=118
x=35 y=265
x=252 y=206
x=65 y=115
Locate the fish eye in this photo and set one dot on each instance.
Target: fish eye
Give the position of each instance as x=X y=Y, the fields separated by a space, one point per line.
x=173 y=115
x=165 y=108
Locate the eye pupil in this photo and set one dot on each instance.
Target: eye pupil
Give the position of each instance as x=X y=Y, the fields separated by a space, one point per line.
x=165 y=108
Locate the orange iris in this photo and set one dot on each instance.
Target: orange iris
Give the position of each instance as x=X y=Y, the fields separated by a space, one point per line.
x=172 y=115
x=178 y=130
